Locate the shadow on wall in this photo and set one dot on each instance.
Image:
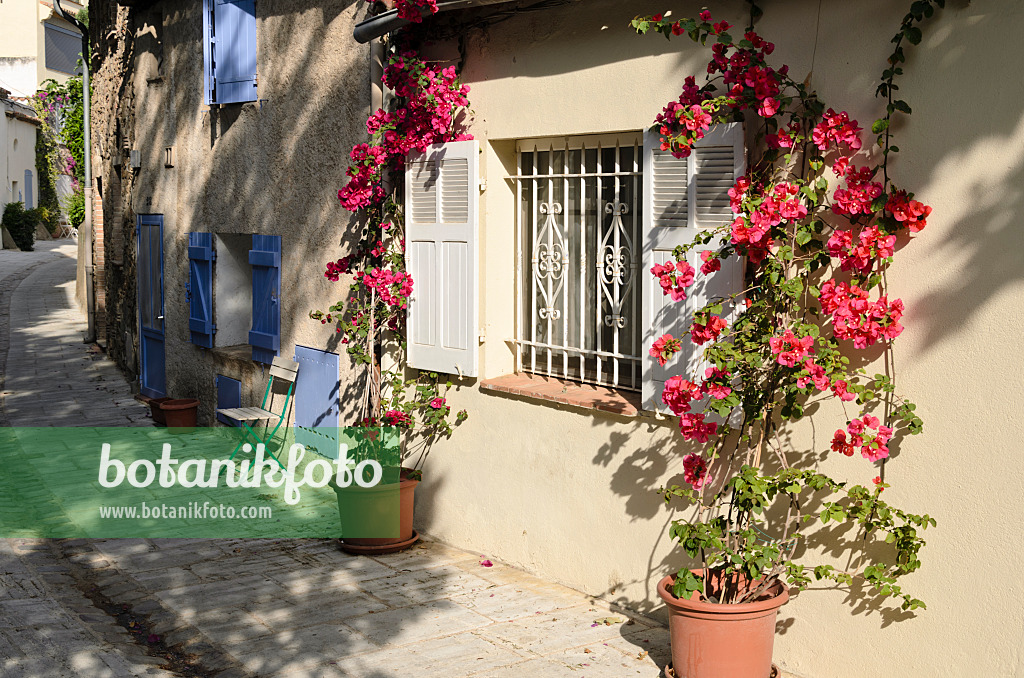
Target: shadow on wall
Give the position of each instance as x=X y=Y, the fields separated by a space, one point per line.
x=271 y=167
x=973 y=178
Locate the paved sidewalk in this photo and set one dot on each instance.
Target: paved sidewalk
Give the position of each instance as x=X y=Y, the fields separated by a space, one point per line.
x=236 y=608
x=52 y=378
x=301 y=608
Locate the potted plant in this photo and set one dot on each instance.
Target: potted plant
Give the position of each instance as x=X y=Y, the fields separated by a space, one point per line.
x=372 y=318
x=817 y=221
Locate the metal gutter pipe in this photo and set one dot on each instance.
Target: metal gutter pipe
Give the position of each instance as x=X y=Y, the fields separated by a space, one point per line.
x=374 y=27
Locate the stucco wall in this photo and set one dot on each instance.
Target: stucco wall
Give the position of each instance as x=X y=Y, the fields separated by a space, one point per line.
x=570 y=494
x=270 y=167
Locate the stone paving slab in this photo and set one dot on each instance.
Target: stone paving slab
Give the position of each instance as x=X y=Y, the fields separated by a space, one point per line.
x=266 y=607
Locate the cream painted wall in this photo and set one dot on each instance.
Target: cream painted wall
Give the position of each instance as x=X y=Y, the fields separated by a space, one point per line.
x=23 y=43
x=570 y=494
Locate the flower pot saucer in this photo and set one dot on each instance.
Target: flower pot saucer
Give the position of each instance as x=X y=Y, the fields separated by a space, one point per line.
x=378 y=549
x=670 y=672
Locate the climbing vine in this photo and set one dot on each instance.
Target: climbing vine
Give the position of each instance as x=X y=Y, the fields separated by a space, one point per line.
x=371 y=319
x=817 y=221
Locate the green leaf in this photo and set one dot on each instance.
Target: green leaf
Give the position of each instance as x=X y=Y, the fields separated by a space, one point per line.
x=880 y=125
x=913 y=35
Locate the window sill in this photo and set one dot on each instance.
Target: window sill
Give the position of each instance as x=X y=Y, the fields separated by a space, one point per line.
x=587 y=396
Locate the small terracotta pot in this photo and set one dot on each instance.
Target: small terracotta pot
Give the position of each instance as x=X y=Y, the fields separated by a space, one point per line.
x=712 y=641
x=156 y=411
x=180 y=413
x=378 y=501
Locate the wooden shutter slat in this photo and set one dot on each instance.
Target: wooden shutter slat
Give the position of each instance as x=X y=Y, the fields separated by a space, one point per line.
x=442 y=251
x=200 y=264
x=265 y=260
x=235 y=26
x=682 y=195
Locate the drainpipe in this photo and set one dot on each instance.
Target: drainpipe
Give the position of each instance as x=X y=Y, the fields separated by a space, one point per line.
x=90 y=301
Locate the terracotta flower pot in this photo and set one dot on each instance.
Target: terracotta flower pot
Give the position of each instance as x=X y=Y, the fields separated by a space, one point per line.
x=180 y=413
x=157 y=412
x=376 y=505
x=713 y=641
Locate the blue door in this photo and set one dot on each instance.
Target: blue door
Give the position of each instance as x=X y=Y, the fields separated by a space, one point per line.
x=150 y=270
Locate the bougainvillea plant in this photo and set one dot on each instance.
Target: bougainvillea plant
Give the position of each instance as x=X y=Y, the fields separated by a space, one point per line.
x=818 y=222
x=371 y=319
x=413 y=10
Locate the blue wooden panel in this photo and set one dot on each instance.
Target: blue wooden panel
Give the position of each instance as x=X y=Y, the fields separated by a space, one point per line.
x=317 y=400
x=235 y=50
x=200 y=300
x=229 y=394
x=29 y=199
x=265 y=259
x=150 y=272
x=209 y=53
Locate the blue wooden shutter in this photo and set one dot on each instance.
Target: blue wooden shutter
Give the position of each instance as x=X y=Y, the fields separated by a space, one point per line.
x=317 y=400
x=200 y=275
x=29 y=204
x=229 y=394
x=209 y=54
x=265 y=259
x=234 y=25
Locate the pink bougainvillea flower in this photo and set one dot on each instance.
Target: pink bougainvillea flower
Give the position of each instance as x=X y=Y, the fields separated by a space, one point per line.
x=790 y=349
x=665 y=347
x=674 y=278
x=437 y=403
x=678 y=393
x=701 y=334
x=711 y=262
x=486 y=563
x=705 y=16
x=693 y=427
x=839 y=388
x=910 y=213
x=695 y=471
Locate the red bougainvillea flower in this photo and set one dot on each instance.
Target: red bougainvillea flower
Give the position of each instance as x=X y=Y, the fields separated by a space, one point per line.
x=665 y=347
x=695 y=471
x=866 y=433
x=674 y=279
x=790 y=349
x=678 y=393
x=716 y=383
x=437 y=403
x=910 y=213
x=693 y=427
x=839 y=389
x=701 y=334
x=711 y=262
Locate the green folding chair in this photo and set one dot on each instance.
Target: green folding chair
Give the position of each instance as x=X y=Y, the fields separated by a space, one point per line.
x=282 y=370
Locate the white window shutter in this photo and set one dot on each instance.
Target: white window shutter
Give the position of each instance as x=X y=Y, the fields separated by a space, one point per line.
x=442 y=255
x=682 y=197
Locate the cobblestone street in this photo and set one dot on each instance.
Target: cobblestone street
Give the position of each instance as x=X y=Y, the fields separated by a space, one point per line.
x=232 y=608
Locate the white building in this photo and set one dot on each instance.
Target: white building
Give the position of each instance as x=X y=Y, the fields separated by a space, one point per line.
x=18 y=126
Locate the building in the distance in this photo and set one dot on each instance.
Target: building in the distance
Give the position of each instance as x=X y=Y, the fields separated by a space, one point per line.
x=36 y=44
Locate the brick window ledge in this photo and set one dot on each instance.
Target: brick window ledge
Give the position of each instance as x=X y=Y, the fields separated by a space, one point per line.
x=625 y=403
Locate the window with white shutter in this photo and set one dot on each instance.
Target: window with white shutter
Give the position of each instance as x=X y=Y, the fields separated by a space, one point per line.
x=442 y=255
x=682 y=197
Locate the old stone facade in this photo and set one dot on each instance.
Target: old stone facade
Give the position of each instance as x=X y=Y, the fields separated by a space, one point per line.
x=271 y=166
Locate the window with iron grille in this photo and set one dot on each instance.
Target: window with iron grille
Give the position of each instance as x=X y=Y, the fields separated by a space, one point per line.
x=578 y=238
